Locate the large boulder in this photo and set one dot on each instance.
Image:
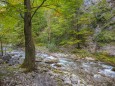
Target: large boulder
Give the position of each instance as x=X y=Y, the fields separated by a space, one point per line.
x=6 y=57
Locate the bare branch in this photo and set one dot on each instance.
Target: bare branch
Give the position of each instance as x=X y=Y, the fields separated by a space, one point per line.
x=44 y=6
x=48 y=6
x=38 y=8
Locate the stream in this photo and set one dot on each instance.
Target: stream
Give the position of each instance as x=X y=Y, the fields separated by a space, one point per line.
x=90 y=72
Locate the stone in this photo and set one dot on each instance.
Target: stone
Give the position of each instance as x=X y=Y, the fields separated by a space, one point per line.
x=67 y=80
x=74 y=79
x=58 y=65
x=38 y=59
x=14 y=61
x=20 y=55
x=6 y=58
x=113 y=69
x=50 y=61
x=97 y=77
x=89 y=58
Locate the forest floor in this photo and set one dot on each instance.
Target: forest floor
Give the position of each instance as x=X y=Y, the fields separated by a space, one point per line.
x=57 y=69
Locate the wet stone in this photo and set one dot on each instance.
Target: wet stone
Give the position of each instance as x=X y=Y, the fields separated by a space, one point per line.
x=58 y=65
x=113 y=69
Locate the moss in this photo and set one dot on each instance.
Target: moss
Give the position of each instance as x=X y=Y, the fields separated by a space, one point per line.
x=28 y=67
x=57 y=71
x=82 y=53
x=2 y=75
x=59 y=81
x=103 y=56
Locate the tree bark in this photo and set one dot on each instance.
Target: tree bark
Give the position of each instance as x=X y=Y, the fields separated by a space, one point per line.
x=29 y=61
x=2 y=52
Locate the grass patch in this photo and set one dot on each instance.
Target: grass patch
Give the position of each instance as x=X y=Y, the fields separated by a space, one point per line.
x=52 y=47
x=57 y=71
x=102 y=56
x=82 y=53
x=105 y=58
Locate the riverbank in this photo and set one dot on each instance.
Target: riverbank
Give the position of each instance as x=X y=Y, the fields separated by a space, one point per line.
x=57 y=69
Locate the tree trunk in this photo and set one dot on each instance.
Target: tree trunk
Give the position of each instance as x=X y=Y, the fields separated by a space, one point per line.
x=78 y=44
x=2 y=52
x=29 y=61
x=78 y=36
x=5 y=50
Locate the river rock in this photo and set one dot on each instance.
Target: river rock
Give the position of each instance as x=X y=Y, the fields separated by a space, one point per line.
x=58 y=65
x=67 y=81
x=39 y=59
x=60 y=55
x=97 y=77
x=51 y=60
x=89 y=58
x=74 y=79
x=113 y=69
x=6 y=57
x=66 y=78
x=13 y=61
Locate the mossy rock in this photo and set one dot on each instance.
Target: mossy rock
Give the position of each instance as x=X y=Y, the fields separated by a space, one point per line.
x=59 y=81
x=58 y=65
x=57 y=71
